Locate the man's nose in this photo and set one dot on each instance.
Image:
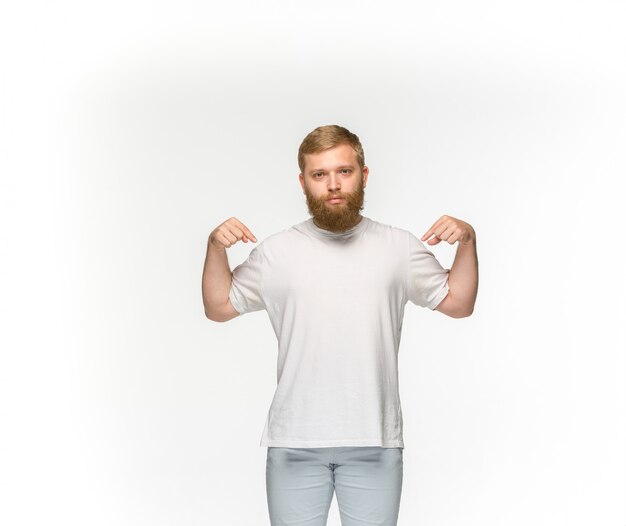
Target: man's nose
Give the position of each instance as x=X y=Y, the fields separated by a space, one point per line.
x=333 y=181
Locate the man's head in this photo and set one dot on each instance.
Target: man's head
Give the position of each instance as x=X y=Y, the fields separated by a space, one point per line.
x=332 y=164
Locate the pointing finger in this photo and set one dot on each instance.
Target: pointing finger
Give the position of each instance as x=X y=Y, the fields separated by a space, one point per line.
x=245 y=230
x=428 y=233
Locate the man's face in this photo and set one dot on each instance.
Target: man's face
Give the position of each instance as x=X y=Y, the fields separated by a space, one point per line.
x=334 y=173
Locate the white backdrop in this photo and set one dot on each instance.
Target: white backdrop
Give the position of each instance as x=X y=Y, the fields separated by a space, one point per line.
x=130 y=130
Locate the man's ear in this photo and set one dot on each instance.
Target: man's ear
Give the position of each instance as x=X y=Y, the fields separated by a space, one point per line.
x=366 y=172
x=301 y=179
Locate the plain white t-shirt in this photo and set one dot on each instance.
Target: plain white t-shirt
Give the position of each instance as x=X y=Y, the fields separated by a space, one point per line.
x=336 y=303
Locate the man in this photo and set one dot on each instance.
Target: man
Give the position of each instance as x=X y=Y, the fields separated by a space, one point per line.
x=335 y=287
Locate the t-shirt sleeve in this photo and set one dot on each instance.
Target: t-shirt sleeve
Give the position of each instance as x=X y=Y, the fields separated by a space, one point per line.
x=245 y=291
x=427 y=279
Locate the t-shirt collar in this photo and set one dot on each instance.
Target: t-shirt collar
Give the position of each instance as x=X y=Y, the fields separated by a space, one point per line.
x=346 y=234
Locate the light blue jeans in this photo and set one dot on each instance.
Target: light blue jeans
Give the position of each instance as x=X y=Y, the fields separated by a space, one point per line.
x=300 y=483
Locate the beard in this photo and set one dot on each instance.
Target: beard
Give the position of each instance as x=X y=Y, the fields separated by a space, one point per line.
x=336 y=217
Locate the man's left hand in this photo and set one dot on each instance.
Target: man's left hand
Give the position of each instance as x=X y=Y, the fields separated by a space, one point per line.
x=450 y=229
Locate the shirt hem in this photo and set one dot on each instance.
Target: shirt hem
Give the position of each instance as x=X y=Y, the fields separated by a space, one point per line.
x=235 y=302
x=440 y=296
x=333 y=443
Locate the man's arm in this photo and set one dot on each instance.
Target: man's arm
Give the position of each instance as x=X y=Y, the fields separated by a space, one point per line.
x=463 y=283
x=216 y=283
x=217 y=276
x=463 y=277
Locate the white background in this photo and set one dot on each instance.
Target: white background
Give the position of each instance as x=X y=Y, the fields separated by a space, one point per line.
x=130 y=130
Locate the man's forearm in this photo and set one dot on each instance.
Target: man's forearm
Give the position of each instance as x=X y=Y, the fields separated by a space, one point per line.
x=216 y=279
x=463 y=277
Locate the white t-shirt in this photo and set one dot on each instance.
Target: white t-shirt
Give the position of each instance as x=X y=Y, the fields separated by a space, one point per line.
x=336 y=303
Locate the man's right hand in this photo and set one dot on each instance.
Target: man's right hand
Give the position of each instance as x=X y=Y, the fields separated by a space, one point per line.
x=228 y=233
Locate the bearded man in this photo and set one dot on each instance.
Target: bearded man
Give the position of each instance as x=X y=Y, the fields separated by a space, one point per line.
x=335 y=287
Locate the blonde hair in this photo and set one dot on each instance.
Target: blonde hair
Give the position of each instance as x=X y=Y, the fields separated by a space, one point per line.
x=326 y=137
